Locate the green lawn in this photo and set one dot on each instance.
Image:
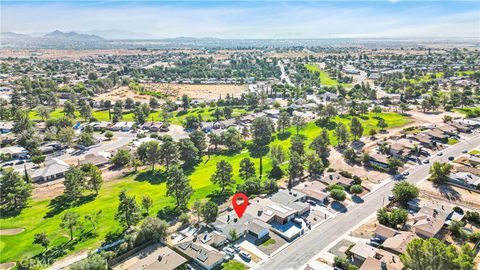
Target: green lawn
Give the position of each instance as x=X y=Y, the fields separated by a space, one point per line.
x=269 y=242
x=234 y=265
x=474 y=152
x=452 y=141
x=34 y=219
x=469 y=112
x=100 y=115
x=325 y=79
x=206 y=113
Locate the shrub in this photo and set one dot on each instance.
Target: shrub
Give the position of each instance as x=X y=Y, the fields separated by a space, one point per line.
x=338 y=195
x=458 y=209
x=346 y=174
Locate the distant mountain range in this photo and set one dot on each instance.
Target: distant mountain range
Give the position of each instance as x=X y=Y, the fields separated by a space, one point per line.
x=71 y=35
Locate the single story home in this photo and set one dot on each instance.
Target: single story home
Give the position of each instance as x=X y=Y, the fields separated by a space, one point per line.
x=98 y=160
x=334 y=178
x=162 y=258
x=258 y=229
x=6 y=127
x=205 y=256
x=14 y=151
x=465 y=179
x=51 y=170
x=361 y=251
x=398 y=243
x=384 y=232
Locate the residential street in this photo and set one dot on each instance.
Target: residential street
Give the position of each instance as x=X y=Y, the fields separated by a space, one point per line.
x=303 y=249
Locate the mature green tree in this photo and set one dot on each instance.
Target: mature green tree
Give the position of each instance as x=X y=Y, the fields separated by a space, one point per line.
x=439 y=172
x=251 y=186
x=74 y=183
x=150 y=152
x=283 y=121
x=297 y=144
x=185 y=102
x=147 y=203
x=392 y=219
x=188 y=152
x=295 y=168
x=94 y=218
x=43 y=112
x=69 y=109
x=169 y=153
x=86 y=139
x=94 y=261
x=128 y=212
x=117 y=114
x=299 y=123
x=199 y=139
x=382 y=124
x=320 y=144
x=394 y=163
x=71 y=221
x=197 y=209
x=232 y=139
x=152 y=229
x=314 y=165
x=15 y=192
x=223 y=175
x=21 y=122
x=247 y=169
x=350 y=154
x=86 y=111
x=262 y=135
x=404 y=192
x=338 y=195
x=41 y=239
x=122 y=158
x=178 y=186
x=434 y=254
x=342 y=134
x=356 y=128
x=356 y=189
x=93 y=177
x=209 y=211
x=192 y=122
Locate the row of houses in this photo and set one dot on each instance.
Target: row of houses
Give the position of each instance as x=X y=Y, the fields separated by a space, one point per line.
x=427 y=221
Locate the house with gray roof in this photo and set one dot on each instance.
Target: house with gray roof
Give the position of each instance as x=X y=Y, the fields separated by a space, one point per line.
x=51 y=170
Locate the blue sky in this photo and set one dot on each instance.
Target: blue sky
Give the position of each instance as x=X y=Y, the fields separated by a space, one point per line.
x=250 y=19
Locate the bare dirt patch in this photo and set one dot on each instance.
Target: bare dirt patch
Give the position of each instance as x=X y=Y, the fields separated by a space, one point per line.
x=122 y=93
x=450 y=194
x=7 y=265
x=13 y=231
x=198 y=91
x=337 y=162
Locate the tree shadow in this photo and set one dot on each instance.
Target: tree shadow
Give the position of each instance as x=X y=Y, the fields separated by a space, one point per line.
x=169 y=213
x=339 y=207
x=257 y=152
x=357 y=199
x=112 y=237
x=448 y=192
x=364 y=117
x=284 y=136
x=220 y=198
x=326 y=124
x=8 y=213
x=155 y=177
x=61 y=203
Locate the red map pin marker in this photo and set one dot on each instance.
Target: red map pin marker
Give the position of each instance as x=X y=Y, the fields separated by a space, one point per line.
x=242 y=206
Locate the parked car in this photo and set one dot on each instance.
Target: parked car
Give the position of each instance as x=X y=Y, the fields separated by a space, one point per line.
x=439 y=154
x=374 y=244
x=376 y=239
x=245 y=255
x=405 y=173
x=311 y=202
x=451 y=158
x=236 y=248
x=391 y=197
x=426 y=161
x=465 y=151
x=229 y=251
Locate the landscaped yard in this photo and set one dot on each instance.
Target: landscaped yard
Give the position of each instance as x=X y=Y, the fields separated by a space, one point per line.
x=100 y=115
x=469 y=112
x=325 y=79
x=474 y=152
x=269 y=242
x=207 y=114
x=45 y=216
x=452 y=141
x=234 y=265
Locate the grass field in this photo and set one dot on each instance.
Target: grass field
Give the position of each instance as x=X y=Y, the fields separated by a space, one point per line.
x=178 y=117
x=474 y=152
x=469 y=112
x=269 y=242
x=234 y=265
x=452 y=141
x=100 y=115
x=207 y=114
x=325 y=79
x=45 y=215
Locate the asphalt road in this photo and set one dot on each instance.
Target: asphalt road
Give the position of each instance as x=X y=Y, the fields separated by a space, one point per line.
x=303 y=249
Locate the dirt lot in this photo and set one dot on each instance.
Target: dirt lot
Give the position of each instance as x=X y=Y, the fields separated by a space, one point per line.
x=201 y=91
x=122 y=93
x=365 y=230
x=337 y=161
x=450 y=194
